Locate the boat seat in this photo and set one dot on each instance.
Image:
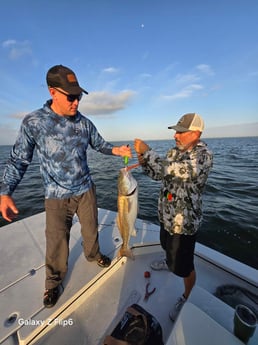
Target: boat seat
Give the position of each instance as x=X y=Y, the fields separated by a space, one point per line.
x=194 y=327
x=213 y=306
x=218 y=310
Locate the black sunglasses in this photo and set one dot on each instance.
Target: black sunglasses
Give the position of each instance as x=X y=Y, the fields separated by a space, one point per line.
x=70 y=98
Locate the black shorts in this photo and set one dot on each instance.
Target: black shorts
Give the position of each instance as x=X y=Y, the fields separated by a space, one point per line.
x=179 y=252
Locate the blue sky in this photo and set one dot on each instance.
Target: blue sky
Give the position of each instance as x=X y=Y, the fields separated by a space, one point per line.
x=143 y=62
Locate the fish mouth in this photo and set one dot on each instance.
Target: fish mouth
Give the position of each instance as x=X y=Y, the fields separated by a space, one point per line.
x=127 y=184
x=132 y=188
x=131 y=193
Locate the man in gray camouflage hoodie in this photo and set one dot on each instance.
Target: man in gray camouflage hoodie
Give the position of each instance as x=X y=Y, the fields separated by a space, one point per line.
x=183 y=172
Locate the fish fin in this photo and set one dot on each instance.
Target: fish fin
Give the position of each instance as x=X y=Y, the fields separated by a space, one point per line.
x=126 y=252
x=122 y=204
x=134 y=232
x=118 y=222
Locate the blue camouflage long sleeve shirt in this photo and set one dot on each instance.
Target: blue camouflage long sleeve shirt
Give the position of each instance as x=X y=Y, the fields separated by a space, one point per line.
x=61 y=143
x=183 y=176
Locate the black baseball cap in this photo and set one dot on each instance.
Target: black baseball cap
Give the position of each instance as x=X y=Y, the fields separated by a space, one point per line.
x=64 y=78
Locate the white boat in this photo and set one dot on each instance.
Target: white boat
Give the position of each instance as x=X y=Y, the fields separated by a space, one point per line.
x=94 y=299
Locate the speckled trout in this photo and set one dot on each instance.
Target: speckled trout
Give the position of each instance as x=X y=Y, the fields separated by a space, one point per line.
x=127 y=204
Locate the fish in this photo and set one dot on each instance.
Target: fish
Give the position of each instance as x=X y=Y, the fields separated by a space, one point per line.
x=127 y=205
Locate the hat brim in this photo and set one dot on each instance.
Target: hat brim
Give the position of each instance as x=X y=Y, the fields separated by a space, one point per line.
x=179 y=128
x=75 y=90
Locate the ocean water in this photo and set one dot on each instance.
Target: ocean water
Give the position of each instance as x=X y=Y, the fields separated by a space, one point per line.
x=230 y=200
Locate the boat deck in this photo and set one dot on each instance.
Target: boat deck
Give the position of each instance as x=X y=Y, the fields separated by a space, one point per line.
x=94 y=299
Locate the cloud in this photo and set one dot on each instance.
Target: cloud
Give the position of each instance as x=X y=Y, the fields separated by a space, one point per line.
x=188 y=83
x=145 y=75
x=103 y=103
x=194 y=77
x=8 y=43
x=187 y=78
x=110 y=70
x=17 y=49
x=186 y=92
x=206 y=69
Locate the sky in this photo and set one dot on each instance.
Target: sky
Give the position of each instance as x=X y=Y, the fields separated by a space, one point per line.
x=145 y=63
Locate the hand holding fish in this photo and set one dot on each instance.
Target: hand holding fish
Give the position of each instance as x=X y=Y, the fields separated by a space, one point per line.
x=123 y=151
x=140 y=146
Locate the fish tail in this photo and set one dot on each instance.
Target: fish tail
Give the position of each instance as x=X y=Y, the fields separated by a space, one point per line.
x=126 y=252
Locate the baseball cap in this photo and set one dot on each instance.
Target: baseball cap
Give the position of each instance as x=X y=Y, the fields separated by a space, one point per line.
x=189 y=122
x=64 y=78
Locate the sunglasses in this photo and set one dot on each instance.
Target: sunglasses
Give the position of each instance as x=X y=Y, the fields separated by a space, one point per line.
x=70 y=98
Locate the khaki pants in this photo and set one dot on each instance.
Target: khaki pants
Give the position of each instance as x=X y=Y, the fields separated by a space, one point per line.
x=59 y=216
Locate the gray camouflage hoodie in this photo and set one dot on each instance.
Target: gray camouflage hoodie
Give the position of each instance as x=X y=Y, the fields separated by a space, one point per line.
x=183 y=176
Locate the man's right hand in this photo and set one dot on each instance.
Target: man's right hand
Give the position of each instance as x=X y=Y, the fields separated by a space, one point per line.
x=8 y=208
x=140 y=146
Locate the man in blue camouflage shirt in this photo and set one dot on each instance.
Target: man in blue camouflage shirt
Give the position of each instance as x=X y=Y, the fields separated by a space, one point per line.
x=61 y=136
x=183 y=173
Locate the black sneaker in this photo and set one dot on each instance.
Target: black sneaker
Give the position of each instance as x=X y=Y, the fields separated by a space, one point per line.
x=50 y=297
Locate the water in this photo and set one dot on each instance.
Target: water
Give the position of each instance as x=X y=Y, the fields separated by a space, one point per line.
x=230 y=201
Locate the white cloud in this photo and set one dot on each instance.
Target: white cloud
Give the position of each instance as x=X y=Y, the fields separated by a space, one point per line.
x=8 y=43
x=103 y=103
x=17 y=49
x=206 y=69
x=145 y=75
x=187 y=78
x=186 y=92
x=110 y=70
x=194 y=77
x=185 y=85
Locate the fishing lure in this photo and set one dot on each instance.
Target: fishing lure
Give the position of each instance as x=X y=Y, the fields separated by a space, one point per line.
x=126 y=160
